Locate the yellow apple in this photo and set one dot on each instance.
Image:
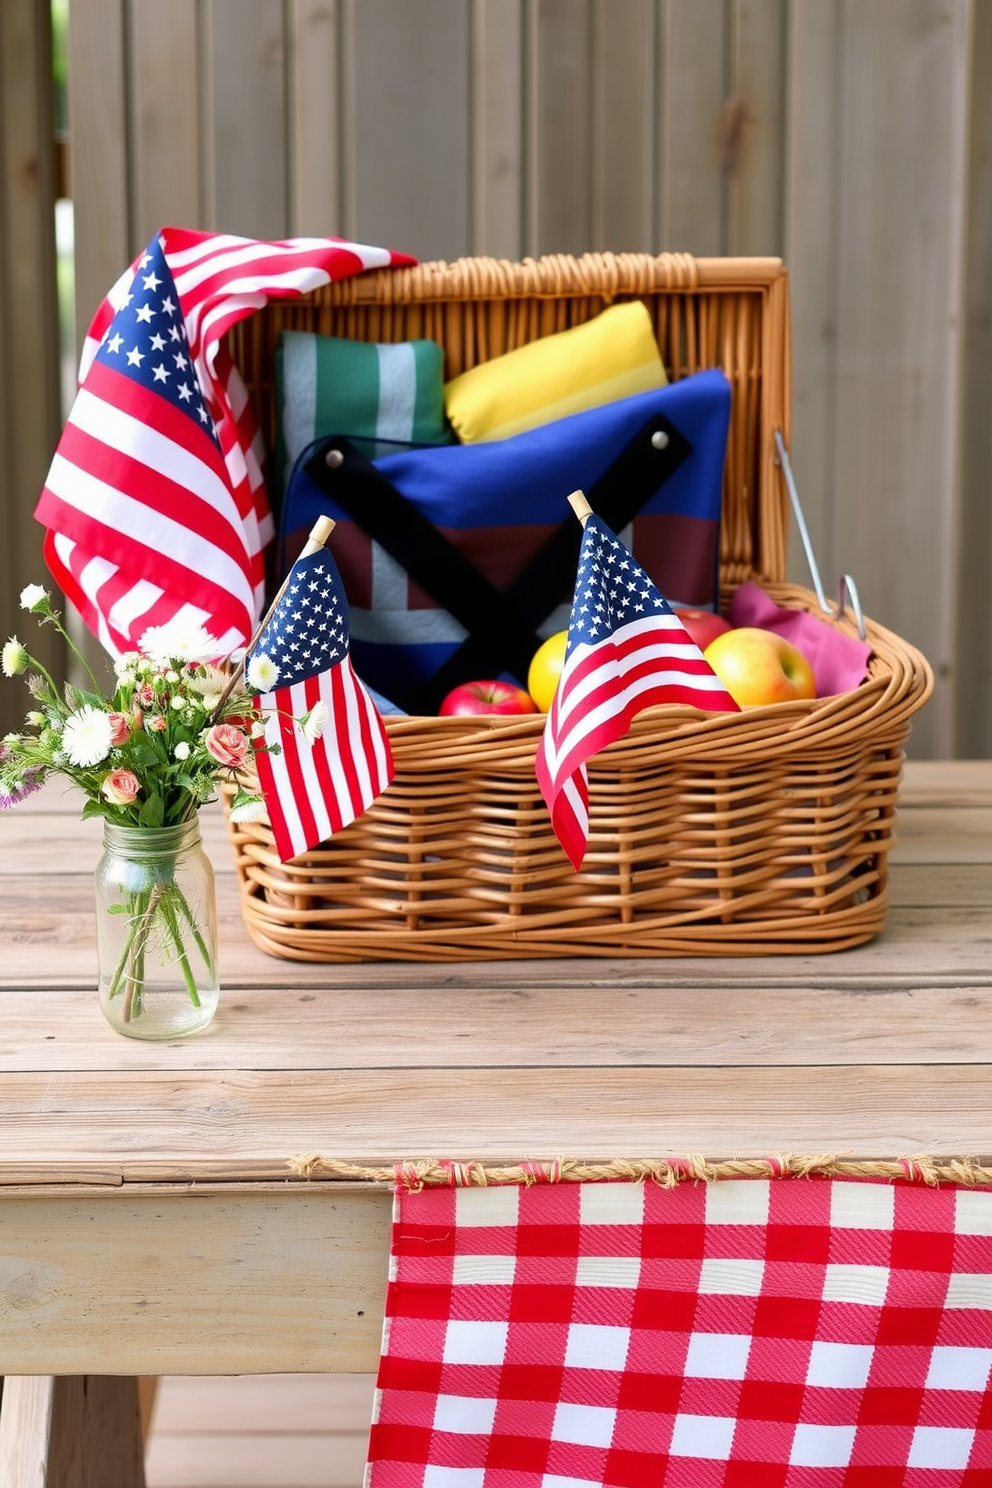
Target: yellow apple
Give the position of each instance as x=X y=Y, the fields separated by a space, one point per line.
x=760 y=666
x=545 y=669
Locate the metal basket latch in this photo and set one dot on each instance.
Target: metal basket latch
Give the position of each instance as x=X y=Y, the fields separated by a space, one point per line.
x=847 y=589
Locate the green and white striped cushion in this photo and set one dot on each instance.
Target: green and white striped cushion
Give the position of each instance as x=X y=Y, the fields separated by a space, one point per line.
x=328 y=385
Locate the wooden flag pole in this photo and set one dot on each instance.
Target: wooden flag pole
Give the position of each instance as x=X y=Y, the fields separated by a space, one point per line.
x=580 y=506
x=319 y=533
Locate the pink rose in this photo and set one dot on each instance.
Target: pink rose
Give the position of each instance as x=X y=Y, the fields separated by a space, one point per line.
x=120 y=728
x=155 y=723
x=121 y=787
x=226 y=744
x=145 y=695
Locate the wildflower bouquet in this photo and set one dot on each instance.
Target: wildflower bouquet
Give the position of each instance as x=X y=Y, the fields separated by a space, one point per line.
x=146 y=757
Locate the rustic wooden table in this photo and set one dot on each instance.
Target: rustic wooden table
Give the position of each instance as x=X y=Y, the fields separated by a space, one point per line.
x=148 y=1221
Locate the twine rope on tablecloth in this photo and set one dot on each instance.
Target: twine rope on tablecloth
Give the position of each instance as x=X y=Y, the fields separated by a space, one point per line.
x=668 y=1172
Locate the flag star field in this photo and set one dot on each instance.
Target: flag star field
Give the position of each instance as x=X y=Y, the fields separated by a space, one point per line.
x=309 y=629
x=611 y=589
x=148 y=342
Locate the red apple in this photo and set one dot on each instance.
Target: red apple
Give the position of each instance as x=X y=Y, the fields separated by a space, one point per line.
x=486 y=697
x=759 y=666
x=703 y=625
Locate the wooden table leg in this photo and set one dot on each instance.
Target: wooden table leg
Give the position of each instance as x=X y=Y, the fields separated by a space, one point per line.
x=147 y=1392
x=71 y=1431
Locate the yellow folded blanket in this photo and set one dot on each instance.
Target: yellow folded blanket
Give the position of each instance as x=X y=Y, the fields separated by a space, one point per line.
x=613 y=356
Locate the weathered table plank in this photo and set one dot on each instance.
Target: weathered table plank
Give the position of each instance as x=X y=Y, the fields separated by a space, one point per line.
x=221 y=1124
x=190 y=1283
x=532 y=1025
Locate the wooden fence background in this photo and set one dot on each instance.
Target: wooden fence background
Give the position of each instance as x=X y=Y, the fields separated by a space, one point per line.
x=853 y=137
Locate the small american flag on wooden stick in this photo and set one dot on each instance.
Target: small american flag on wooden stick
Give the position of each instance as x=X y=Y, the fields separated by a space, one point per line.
x=627 y=651
x=325 y=755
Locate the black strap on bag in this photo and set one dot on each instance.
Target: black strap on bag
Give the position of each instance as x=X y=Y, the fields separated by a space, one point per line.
x=501 y=624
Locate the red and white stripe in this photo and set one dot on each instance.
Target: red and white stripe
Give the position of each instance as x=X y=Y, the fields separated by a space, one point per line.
x=603 y=686
x=313 y=791
x=117 y=574
x=150 y=490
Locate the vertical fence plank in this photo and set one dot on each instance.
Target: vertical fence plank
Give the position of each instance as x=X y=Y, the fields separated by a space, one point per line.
x=314 y=144
x=408 y=151
x=497 y=128
x=559 y=125
x=692 y=91
x=812 y=196
x=100 y=177
x=754 y=127
x=973 y=647
x=164 y=117
x=622 y=159
x=877 y=144
x=29 y=354
x=244 y=53
x=897 y=363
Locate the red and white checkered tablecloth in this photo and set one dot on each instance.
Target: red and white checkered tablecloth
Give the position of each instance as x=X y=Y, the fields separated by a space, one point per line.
x=793 y=1333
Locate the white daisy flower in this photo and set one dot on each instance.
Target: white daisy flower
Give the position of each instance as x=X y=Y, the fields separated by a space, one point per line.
x=314 y=723
x=212 y=682
x=87 y=737
x=14 y=657
x=251 y=809
x=179 y=642
x=263 y=674
x=33 y=596
x=126 y=666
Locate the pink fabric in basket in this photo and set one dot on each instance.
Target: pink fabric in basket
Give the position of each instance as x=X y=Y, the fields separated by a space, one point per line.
x=839 y=662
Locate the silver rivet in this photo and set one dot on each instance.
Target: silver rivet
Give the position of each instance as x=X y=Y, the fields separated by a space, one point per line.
x=333 y=459
x=660 y=439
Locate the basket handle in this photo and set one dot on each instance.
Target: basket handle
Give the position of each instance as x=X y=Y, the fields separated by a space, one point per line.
x=797 y=512
x=847 y=590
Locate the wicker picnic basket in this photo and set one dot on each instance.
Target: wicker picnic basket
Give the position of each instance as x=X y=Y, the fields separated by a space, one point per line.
x=767 y=831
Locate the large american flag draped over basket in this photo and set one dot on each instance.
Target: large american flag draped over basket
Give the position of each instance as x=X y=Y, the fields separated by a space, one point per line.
x=155 y=504
x=313 y=790
x=626 y=651
x=792 y=1333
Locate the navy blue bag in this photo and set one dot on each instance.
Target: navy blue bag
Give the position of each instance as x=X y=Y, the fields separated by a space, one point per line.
x=459 y=560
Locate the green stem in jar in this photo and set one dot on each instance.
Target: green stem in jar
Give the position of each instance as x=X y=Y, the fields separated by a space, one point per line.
x=168 y=912
x=134 y=955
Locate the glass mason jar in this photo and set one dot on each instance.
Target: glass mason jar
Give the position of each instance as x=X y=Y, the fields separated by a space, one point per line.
x=156 y=931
